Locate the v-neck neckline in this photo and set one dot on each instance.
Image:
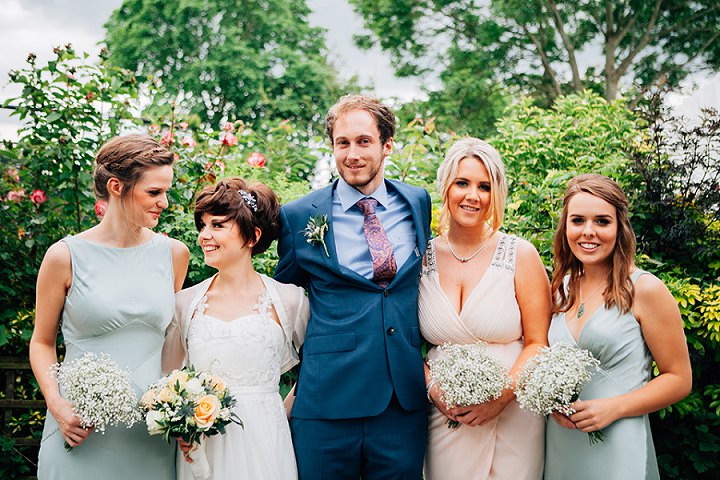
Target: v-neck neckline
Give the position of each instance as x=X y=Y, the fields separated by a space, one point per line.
x=472 y=290
x=585 y=325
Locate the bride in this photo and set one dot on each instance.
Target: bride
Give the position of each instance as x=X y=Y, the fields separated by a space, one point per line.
x=245 y=328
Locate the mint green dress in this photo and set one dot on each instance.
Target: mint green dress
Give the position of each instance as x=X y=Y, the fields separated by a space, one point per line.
x=616 y=340
x=120 y=303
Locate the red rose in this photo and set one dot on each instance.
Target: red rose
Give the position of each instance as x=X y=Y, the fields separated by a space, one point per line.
x=100 y=207
x=256 y=159
x=230 y=140
x=38 y=197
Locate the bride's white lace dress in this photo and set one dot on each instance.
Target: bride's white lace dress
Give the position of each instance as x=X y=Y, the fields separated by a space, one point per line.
x=248 y=353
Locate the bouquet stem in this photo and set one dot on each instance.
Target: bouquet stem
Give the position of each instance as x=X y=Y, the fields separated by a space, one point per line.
x=596 y=437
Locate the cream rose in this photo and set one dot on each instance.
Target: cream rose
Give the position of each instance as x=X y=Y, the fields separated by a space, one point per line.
x=179 y=377
x=194 y=386
x=152 y=419
x=166 y=395
x=148 y=398
x=206 y=411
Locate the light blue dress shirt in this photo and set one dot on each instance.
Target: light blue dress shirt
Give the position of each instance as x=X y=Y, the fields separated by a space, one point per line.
x=394 y=214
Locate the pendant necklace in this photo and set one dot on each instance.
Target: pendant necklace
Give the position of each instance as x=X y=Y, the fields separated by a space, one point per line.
x=466 y=259
x=581 y=309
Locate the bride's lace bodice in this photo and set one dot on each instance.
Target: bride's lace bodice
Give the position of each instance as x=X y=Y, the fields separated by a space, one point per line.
x=245 y=352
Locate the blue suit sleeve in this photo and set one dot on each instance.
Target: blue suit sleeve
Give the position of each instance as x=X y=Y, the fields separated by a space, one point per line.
x=288 y=270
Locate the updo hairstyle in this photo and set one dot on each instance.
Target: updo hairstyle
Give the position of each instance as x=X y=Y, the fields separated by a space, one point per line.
x=127 y=158
x=224 y=199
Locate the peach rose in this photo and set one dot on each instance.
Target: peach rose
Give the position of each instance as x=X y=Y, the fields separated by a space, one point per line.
x=206 y=411
x=177 y=376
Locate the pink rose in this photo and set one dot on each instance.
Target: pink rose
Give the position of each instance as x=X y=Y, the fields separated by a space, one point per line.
x=256 y=159
x=12 y=174
x=183 y=125
x=167 y=138
x=228 y=127
x=16 y=195
x=154 y=128
x=188 y=142
x=89 y=96
x=230 y=140
x=38 y=197
x=100 y=207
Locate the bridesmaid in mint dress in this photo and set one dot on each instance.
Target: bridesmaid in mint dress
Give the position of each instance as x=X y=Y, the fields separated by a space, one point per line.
x=112 y=289
x=626 y=318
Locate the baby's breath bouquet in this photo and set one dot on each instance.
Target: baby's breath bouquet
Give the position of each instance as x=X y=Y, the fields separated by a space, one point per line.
x=553 y=379
x=100 y=392
x=467 y=375
x=190 y=405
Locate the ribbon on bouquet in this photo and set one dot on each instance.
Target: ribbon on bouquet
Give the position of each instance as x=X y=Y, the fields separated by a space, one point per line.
x=200 y=467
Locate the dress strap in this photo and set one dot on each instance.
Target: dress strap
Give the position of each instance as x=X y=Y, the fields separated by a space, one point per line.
x=504 y=257
x=429 y=266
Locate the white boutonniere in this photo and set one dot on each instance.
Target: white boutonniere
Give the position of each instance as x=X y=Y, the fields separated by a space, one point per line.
x=315 y=231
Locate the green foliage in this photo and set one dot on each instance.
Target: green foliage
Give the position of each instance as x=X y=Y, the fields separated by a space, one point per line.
x=535 y=45
x=678 y=207
x=227 y=59
x=543 y=149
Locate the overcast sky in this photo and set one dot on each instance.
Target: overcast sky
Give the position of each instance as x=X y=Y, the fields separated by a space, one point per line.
x=38 y=25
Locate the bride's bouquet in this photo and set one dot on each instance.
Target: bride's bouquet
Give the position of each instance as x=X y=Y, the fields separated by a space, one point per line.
x=100 y=392
x=190 y=405
x=467 y=375
x=553 y=379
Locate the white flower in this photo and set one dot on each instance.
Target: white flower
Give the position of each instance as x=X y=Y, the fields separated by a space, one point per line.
x=152 y=420
x=101 y=393
x=194 y=386
x=468 y=375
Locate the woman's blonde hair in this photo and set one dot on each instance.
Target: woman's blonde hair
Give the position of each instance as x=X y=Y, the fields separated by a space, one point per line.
x=447 y=172
x=620 y=290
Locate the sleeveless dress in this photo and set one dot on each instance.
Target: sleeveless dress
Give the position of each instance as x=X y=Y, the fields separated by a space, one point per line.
x=616 y=340
x=511 y=445
x=247 y=353
x=120 y=302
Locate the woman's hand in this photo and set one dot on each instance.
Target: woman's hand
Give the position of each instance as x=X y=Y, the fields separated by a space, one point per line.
x=563 y=421
x=593 y=415
x=70 y=427
x=435 y=395
x=474 y=415
x=186 y=448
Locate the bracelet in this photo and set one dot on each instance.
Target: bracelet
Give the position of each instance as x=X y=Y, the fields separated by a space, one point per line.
x=428 y=388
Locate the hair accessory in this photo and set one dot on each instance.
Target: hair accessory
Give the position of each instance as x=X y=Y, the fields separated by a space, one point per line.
x=249 y=199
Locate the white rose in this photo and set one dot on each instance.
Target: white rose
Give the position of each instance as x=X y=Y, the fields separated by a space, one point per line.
x=194 y=386
x=152 y=419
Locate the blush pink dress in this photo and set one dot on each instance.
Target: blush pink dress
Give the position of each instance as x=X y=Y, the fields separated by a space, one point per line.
x=511 y=446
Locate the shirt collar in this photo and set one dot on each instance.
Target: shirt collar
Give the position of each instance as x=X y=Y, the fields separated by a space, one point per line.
x=350 y=195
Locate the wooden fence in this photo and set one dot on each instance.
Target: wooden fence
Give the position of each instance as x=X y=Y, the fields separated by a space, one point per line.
x=10 y=370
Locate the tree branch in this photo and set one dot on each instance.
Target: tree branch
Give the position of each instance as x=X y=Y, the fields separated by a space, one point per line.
x=544 y=59
x=625 y=64
x=577 y=82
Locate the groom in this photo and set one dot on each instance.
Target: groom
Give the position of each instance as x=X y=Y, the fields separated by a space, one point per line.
x=360 y=408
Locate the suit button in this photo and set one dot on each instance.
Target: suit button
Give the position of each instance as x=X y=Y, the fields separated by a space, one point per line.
x=386 y=293
x=391 y=331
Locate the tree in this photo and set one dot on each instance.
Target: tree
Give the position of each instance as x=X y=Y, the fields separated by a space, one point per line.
x=543 y=45
x=227 y=59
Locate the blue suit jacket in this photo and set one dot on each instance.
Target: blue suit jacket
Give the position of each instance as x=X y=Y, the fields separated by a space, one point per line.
x=362 y=342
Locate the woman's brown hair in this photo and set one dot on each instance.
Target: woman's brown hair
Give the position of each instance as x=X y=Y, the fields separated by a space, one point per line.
x=127 y=158
x=249 y=205
x=620 y=289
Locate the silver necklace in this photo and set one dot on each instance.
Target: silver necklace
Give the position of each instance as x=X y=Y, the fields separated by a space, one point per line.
x=581 y=309
x=466 y=259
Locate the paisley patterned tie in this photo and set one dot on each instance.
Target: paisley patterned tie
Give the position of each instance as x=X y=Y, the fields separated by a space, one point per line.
x=381 y=251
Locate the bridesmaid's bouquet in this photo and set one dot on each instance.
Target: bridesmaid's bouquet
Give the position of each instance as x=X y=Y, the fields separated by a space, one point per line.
x=101 y=393
x=467 y=375
x=553 y=379
x=190 y=405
